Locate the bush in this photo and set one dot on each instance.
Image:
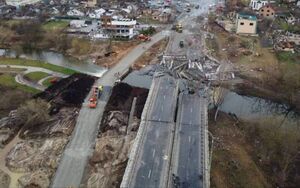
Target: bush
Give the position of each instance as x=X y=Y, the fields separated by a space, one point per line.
x=149 y=31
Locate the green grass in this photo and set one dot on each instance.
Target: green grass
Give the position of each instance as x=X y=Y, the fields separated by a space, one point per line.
x=55 y=25
x=8 y=80
x=288 y=57
x=147 y=20
x=36 y=76
x=47 y=82
x=34 y=63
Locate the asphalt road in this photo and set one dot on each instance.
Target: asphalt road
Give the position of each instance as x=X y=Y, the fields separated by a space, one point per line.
x=152 y=165
x=188 y=150
x=74 y=159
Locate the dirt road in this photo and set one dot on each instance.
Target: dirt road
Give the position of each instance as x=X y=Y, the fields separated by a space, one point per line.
x=81 y=146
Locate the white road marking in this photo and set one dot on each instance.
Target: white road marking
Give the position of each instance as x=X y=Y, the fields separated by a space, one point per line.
x=149 y=174
x=191 y=110
x=153 y=153
x=189 y=139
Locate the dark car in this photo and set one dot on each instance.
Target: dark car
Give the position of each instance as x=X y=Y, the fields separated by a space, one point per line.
x=181 y=44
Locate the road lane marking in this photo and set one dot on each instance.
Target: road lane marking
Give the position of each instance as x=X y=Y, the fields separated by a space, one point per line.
x=191 y=110
x=153 y=153
x=189 y=139
x=149 y=174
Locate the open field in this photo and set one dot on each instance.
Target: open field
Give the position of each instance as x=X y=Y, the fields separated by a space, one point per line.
x=36 y=76
x=25 y=62
x=55 y=25
x=151 y=54
x=8 y=80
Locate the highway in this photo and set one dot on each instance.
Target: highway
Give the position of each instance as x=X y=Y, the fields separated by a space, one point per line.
x=152 y=161
x=74 y=159
x=188 y=157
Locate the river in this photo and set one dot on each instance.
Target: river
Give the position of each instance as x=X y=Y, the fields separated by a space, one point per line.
x=59 y=59
x=253 y=108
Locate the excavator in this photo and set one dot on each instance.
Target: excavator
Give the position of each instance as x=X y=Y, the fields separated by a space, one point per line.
x=95 y=95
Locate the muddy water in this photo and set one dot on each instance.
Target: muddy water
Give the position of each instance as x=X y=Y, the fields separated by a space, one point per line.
x=60 y=60
x=252 y=108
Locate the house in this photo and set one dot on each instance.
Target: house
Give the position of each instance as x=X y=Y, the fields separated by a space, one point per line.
x=267 y=11
x=290 y=19
x=91 y=3
x=246 y=24
x=257 y=4
x=293 y=37
x=118 y=27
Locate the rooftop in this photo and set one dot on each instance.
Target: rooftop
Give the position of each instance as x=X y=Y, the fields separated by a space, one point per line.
x=247 y=16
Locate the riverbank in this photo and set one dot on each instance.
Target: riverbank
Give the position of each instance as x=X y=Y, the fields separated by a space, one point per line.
x=253 y=154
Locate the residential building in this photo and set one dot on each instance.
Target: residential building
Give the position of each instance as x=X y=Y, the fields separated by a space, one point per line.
x=257 y=4
x=118 y=27
x=91 y=3
x=18 y=3
x=293 y=37
x=246 y=24
x=290 y=19
x=267 y=11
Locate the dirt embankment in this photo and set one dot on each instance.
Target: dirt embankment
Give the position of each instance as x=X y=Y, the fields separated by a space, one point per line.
x=251 y=154
x=35 y=154
x=151 y=55
x=109 y=160
x=10 y=99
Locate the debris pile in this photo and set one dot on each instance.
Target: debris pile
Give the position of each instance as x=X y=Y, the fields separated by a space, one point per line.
x=39 y=179
x=108 y=162
x=61 y=124
x=9 y=126
x=4 y=179
x=33 y=155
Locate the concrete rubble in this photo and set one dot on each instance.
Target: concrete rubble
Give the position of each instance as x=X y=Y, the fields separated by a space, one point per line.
x=109 y=159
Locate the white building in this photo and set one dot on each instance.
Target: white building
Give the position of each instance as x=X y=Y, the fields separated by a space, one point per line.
x=17 y=3
x=257 y=4
x=118 y=28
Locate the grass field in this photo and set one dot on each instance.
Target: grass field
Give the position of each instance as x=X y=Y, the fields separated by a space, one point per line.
x=33 y=63
x=8 y=80
x=55 y=25
x=36 y=76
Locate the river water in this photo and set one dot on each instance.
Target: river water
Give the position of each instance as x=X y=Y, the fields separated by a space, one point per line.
x=253 y=108
x=60 y=60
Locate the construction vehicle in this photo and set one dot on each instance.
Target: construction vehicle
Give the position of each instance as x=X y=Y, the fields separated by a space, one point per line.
x=179 y=28
x=144 y=38
x=96 y=92
x=54 y=80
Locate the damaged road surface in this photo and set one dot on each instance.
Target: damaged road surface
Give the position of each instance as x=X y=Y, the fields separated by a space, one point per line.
x=71 y=168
